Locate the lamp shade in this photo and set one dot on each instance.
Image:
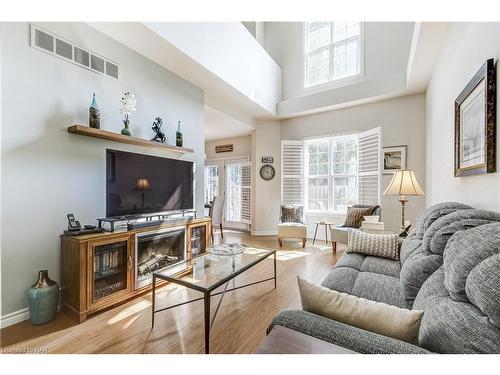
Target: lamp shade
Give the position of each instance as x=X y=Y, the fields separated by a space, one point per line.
x=142 y=184
x=404 y=182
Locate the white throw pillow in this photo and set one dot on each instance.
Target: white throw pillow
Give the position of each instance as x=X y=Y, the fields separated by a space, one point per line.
x=379 y=245
x=377 y=317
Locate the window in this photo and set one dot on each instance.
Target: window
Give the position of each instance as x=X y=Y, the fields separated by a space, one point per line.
x=332 y=51
x=233 y=204
x=211 y=182
x=331 y=168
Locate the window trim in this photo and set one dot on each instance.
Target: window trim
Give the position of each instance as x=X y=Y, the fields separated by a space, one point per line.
x=334 y=83
x=330 y=176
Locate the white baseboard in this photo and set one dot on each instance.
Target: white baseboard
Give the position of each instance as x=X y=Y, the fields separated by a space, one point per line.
x=14 y=317
x=264 y=233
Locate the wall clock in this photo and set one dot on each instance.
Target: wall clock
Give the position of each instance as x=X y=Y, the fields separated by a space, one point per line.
x=267 y=172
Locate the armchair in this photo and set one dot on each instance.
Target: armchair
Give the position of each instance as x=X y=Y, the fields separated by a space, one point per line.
x=292 y=223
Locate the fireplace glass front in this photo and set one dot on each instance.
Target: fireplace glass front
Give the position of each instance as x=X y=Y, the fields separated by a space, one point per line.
x=158 y=250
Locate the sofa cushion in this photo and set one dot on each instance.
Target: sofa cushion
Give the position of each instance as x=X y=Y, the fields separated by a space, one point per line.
x=292 y=213
x=380 y=245
x=430 y=214
x=355 y=215
x=368 y=277
x=462 y=299
x=378 y=317
x=449 y=326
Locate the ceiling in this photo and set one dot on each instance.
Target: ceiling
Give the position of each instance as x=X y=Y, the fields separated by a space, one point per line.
x=219 y=125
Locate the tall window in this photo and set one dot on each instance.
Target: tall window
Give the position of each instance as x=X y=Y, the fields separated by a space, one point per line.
x=331 y=167
x=332 y=51
x=233 y=204
x=211 y=182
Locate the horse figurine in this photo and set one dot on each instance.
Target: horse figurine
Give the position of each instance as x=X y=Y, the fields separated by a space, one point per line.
x=160 y=136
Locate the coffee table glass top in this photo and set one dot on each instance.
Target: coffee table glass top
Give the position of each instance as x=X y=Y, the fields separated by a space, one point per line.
x=209 y=271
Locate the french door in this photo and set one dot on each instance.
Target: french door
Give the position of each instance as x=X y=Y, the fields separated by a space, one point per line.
x=232 y=179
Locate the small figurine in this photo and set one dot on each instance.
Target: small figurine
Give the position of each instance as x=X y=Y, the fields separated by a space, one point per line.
x=160 y=136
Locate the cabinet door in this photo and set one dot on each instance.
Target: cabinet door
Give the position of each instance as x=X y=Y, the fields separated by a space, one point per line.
x=198 y=239
x=109 y=266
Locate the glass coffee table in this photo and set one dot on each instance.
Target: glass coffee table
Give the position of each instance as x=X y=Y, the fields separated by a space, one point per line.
x=206 y=273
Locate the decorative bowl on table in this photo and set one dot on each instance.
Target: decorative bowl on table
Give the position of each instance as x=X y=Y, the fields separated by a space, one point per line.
x=227 y=249
x=372 y=218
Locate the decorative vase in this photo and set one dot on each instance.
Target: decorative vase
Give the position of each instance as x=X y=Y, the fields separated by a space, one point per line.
x=94 y=115
x=43 y=298
x=178 y=135
x=126 y=130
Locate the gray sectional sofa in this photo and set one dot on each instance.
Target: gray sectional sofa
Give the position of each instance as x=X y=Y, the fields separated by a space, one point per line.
x=449 y=267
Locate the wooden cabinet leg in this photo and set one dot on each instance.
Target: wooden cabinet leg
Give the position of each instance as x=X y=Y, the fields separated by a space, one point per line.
x=280 y=241
x=334 y=246
x=304 y=242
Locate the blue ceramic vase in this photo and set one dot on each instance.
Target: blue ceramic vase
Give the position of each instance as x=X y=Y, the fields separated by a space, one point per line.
x=43 y=298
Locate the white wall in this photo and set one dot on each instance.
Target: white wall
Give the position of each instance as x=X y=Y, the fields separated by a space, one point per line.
x=266 y=194
x=467 y=47
x=387 y=45
x=402 y=122
x=242 y=147
x=248 y=68
x=47 y=172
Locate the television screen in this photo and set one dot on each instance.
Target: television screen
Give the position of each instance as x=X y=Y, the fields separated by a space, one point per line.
x=140 y=184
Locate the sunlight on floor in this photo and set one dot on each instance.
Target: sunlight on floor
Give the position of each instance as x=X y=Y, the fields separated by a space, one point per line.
x=129 y=311
x=287 y=254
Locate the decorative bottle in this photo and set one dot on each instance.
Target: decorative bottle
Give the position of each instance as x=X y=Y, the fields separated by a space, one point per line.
x=178 y=135
x=94 y=115
x=43 y=298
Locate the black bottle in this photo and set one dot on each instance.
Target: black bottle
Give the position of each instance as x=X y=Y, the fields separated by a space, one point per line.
x=178 y=135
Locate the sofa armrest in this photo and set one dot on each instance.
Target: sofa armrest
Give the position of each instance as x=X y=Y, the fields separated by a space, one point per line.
x=341 y=334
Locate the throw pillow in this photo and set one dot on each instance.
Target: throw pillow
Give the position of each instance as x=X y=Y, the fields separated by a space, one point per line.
x=377 y=317
x=355 y=215
x=379 y=245
x=292 y=213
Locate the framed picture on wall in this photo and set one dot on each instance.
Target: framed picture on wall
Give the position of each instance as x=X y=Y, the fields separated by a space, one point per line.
x=394 y=159
x=475 y=124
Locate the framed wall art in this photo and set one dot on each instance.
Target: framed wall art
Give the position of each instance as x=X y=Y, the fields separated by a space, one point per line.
x=394 y=159
x=475 y=124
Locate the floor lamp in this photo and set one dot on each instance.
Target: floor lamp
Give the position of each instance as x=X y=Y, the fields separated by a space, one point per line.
x=404 y=183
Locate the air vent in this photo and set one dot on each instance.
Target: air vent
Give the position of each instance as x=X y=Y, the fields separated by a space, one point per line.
x=50 y=43
x=64 y=49
x=44 y=41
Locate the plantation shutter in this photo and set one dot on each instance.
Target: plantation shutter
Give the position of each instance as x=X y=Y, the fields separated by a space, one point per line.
x=246 y=192
x=292 y=172
x=369 y=166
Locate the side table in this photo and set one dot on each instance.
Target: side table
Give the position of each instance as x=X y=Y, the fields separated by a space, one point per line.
x=328 y=226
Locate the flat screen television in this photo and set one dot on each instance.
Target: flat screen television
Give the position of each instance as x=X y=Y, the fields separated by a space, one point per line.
x=139 y=184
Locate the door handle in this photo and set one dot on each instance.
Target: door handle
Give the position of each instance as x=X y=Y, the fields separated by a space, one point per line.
x=129 y=267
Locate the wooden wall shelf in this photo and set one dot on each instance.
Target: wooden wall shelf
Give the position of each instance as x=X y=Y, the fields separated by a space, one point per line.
x=115 y=137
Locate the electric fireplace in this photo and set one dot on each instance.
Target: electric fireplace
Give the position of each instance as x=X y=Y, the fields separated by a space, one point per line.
x=155 y=250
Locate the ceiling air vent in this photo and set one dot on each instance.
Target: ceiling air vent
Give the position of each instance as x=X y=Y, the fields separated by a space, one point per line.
x=50 y=43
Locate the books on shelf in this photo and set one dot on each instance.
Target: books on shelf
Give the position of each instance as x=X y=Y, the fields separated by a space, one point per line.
x=372 y=226
x=106 y=260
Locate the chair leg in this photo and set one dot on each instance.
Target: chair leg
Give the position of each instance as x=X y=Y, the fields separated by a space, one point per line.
x=221 y=233
x=304 y=242
x=334 y=246
x=280 y=241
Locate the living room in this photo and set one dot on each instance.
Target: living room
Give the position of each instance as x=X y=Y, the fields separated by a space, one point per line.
x=292 y=185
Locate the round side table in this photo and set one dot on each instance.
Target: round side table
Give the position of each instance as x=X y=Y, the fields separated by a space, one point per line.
x=328 y=226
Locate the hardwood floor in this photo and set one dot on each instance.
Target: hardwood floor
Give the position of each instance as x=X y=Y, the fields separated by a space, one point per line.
x=239 y=327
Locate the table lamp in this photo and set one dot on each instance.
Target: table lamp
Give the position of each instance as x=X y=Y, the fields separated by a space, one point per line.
x=142 y=185
x=403 y=183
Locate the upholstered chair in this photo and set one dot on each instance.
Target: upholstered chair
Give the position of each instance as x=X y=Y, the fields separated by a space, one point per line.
x=339 y=233
x=216 y=211
x=292 y=223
